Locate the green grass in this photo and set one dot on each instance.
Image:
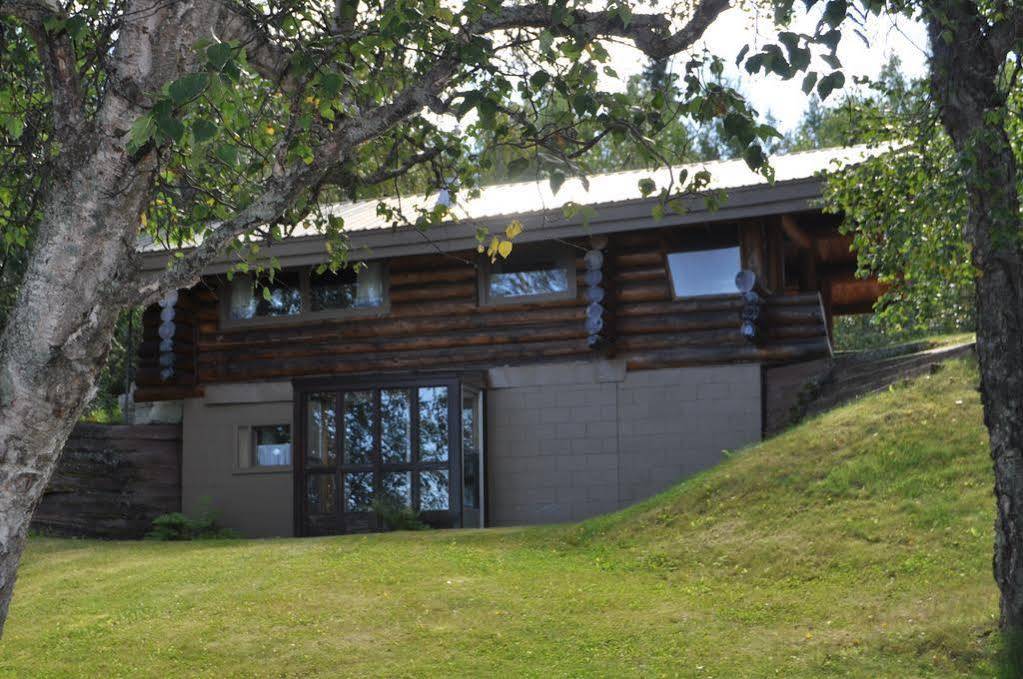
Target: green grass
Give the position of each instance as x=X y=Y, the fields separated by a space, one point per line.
x=856 y=545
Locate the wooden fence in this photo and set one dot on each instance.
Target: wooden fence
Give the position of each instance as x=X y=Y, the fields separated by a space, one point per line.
x=112 y=481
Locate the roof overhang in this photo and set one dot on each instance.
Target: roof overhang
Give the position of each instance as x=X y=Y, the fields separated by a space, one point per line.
x=749 y=202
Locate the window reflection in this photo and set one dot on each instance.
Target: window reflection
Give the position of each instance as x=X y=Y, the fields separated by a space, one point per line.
x=346 y=288
x=704 y=272
x=395 y=425
x=321 y=493
x=539 y=281
x=359 y=492
x=358 y=427
x=397 y=488
x=433 y=424
x=433 y=490
x=322 y=429
x=247 y=300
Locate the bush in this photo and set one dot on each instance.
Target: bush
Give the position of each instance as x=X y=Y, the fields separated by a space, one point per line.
x=177 y=526
x=397 y=516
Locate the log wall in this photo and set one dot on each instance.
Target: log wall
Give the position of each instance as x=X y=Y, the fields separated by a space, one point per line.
x=112 y=481
x=435 y=321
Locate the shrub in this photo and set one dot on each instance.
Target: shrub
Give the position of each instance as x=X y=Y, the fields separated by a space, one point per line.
x=177 y=526
x=397 y=516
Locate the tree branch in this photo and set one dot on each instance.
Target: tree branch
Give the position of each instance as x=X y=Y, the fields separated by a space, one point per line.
x=649 y=32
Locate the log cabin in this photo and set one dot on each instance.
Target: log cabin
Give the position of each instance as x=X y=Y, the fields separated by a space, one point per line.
x=610 y=355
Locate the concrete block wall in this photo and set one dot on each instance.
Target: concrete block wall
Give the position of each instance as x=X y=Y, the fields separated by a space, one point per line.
x=570 y=441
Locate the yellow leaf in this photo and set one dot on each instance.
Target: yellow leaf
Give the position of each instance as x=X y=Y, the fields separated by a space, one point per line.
x=480 y=248
x=514 y=229
x=144 y=219
x=270 y=129
x=492 y=250
x=505 y=248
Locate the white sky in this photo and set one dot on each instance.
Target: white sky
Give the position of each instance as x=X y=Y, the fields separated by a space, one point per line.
x=785 y=99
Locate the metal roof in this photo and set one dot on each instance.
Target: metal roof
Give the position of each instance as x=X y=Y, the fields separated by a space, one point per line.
x=616 y=198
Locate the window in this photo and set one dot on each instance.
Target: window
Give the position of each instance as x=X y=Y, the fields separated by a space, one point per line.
x=347 y=289
x=306 y=293
x=704 y=272
x=264 y=446
x=284 y=298
x=530 y=273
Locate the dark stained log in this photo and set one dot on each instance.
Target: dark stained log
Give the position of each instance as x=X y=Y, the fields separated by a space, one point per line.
x=433 y=292
x=639 y=259
x=775 y=258
x=392 y=344
x=753 y=249
x=656 y=273
x=494 y=321
x=433 y=276
x=715 y=338
x=692 y=321
x=796 y=234
x=793 y=315
x=792 y=351
x=412 y=360
x=783 y=332
x=643 y=292
x=708 y=303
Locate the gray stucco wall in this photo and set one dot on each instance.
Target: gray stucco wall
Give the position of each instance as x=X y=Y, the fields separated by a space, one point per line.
x=569 y=441
x=257 y=503
x=564 y=441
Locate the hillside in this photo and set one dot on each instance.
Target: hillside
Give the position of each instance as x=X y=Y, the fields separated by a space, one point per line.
x=858 y=544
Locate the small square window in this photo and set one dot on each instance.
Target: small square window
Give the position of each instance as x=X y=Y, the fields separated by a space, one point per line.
x=248 y=301
x=704 y=272
x=347 y=289
x=264 y=446
x=530 y=273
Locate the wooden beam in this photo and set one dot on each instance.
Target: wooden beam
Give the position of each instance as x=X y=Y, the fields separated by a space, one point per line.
x=796 y=233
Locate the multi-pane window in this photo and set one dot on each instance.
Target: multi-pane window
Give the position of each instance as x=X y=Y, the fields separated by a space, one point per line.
x=695 y=273
x=306 y=293
x=393 y=445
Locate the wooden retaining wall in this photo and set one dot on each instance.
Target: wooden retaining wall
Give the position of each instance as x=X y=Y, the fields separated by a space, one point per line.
x=112 y=481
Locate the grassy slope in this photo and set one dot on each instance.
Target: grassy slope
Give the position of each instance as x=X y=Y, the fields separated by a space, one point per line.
x=856 y=545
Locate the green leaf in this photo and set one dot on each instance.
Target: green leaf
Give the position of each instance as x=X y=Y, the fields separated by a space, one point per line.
x=218 y=55
x=830 y=83
x=517 y=166
x=647 y=186
x=187 y=88
x=141 y=131
x=228 y=153
x=834 y=12
x=170 y=127
x=330 y=84
x=809 y=81
x=203 y=130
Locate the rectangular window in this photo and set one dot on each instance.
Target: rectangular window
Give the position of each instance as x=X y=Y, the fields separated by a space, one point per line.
x=530 y=273
x=264 y=446
x=304 y=292
x=283 y=296
x=347 y=288
x=704 y=272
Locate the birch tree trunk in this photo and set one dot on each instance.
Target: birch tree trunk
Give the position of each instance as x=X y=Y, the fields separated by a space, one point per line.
x=964 y=79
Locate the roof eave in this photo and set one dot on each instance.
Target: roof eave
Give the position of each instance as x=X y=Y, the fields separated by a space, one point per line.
x=762 y=200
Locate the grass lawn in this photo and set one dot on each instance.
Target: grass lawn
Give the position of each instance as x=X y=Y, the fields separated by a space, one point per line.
x=858 y=544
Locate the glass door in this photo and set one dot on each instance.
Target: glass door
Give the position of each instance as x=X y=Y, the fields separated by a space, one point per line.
x=370 y=450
